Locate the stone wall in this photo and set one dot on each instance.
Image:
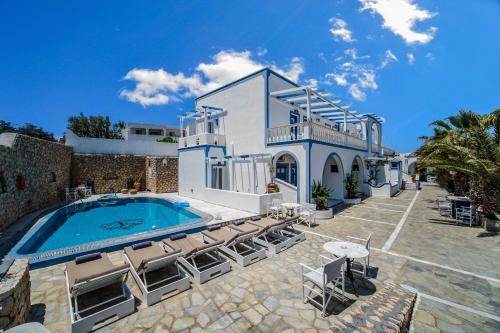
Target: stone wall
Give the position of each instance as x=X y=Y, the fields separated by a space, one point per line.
x=109 y=173
x=161 y=174
x=33 y=175
x=15 y=301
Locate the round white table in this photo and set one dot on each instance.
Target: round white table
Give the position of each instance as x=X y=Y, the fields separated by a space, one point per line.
x=351 y=251
x=290 y=207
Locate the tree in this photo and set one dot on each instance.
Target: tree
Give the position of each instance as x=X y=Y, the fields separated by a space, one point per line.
x=95 y=127
x=28 y=129
x=467 y=148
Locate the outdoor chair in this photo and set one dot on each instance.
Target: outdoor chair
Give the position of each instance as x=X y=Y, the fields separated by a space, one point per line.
x=92 y=299
x=465 y=215
x=238 y=245
x=155 y=270
x=326 y=282
x=444 y=206
x=203 y=261
x=274 y=208
x=307 y=214
x=71 y=194
x=366 y=260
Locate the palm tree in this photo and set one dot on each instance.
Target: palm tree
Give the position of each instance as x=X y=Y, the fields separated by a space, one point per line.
x=468 y=144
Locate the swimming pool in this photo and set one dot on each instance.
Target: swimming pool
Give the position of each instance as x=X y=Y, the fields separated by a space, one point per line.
x=94 y=224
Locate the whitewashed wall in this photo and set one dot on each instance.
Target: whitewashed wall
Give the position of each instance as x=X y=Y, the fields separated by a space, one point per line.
x=119 y=147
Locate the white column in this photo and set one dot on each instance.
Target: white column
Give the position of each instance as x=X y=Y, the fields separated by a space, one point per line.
x=205 y=119
x=345 y=121
x=182 y=127
x=308 y=104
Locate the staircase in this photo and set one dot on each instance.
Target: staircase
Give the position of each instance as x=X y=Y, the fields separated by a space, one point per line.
x=410 y=186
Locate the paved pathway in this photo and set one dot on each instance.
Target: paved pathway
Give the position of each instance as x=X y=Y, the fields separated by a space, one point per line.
x=456 y=272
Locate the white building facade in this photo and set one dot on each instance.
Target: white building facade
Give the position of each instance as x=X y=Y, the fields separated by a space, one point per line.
x=149 y=132
x=264 y=128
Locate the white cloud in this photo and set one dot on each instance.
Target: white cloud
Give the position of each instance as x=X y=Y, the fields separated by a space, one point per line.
x=261 y=52
x=340 y=31
x=429 y=56
x=159 y=87
x=340 y=79
x=313 y=83
x=388 y=58
x=400 y=16
x=411 y=58
x=353 y=54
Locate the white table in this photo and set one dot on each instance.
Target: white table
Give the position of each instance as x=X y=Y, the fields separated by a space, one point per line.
x=351 y=251
x=290 y=207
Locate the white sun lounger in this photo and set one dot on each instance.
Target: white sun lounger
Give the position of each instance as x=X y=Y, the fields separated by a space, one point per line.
x=145 y=259
x=202 y=261
x=236 y=244
x=275 y=235
x=88 y=274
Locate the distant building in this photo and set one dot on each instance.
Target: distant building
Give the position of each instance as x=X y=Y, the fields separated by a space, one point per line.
x=149 y=132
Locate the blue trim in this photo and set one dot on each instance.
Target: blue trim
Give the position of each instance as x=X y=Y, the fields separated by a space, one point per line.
x=297 y=162
x=199 y=147
x=249 y=76
x=313 y=141
x=266 y=104
x=308 y=172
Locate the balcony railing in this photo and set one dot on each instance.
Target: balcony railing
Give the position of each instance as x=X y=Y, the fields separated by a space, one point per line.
x=202 y=139
x=316 y=132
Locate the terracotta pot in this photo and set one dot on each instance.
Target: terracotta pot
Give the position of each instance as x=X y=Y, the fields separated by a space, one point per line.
x=272 y=188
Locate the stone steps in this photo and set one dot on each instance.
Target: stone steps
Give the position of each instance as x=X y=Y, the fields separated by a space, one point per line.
x=389 y=310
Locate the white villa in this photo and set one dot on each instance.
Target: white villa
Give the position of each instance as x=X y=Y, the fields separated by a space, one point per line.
x=264 y=127
x=149 y=132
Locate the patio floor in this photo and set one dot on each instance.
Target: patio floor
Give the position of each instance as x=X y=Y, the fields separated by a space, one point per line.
x=456 y=273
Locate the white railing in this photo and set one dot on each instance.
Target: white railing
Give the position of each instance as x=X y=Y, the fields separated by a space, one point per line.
x=202 y=139
x=313 y=131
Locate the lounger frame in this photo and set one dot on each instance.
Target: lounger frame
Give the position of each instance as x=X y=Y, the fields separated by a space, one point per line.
x=202 y=274
x=180 y=281
x=279 y=238
x=251 y=253
x=122 y=309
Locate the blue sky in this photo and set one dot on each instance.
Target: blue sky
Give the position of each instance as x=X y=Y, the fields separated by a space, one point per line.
x=410 y=61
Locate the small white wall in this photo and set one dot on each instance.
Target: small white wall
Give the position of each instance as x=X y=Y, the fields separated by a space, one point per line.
x=288 y=191
x=249 y=202
x=118 y=147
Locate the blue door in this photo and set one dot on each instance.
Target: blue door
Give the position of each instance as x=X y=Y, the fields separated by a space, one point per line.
x=282 y=171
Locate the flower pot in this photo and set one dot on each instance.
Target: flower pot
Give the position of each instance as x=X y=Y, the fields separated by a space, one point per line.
x=272 y=188
x=354 y=201
x=324 y=214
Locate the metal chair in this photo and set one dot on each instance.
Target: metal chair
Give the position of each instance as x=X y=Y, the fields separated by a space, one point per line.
x=71 y=194
x=444 y=206
x=465 y=215
x=274 y=208
x=366 y=243
x=326 y=282
x=307 y=214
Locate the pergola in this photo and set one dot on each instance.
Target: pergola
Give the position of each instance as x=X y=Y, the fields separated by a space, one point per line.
x=309 y=101
x=204 y=112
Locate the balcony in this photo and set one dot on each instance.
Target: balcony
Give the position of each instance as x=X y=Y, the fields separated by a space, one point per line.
x=303 y=131
x=202 y=139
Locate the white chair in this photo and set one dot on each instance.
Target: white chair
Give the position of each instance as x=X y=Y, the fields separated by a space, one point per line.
x=307 y=214
x=329 y=279
x=88 y=191
x=465 y=215
x=71 y=194
x=366 y=243
x=274 y=208
x=444 y=206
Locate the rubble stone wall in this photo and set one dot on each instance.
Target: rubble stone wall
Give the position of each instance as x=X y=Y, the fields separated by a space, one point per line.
x=161 y=174
x=15 y=300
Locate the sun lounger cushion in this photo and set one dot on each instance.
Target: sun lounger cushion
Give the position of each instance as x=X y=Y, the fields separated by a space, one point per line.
x=87 y=257
x=88 y=270
x=238 y=222
x=141 y=256
x=141 y=245
x=214 y=227
x=246 y=227
x=178 y=236
x=226 y=235
x=267 y=223
x=255 y=218
x=188 y=245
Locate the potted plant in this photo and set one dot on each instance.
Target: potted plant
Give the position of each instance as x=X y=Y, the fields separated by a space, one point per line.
x=272 y=187
x=351 y=186
x=321 y=195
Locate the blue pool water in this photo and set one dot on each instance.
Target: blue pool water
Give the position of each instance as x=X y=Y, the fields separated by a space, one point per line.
x=96 y=221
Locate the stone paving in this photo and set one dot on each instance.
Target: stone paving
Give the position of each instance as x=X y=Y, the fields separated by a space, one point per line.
x=266 y=296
